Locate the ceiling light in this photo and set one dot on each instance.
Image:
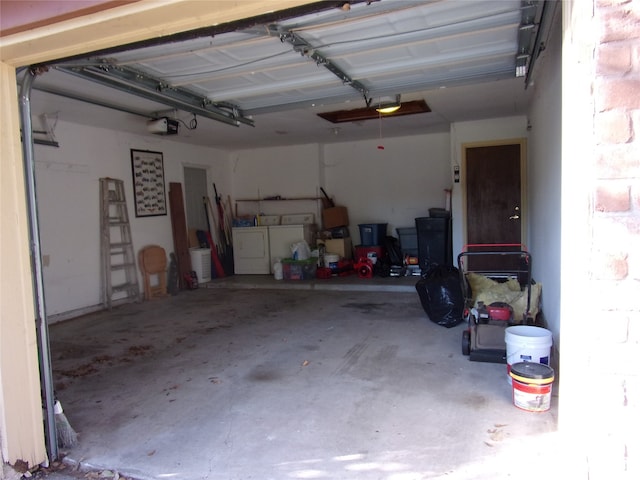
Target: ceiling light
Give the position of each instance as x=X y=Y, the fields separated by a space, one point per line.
x=370 y=113
x=388 y=109
x=386 y=105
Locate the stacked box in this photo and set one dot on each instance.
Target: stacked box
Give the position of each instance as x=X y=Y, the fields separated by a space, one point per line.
x=299 y=269
x=339 y=246
x=297 y=219
x=266 y=220
x=335 y=217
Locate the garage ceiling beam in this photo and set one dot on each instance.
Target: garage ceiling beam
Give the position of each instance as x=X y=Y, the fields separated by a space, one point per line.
x=142 y=85
x=532 y=15
x=548 y=11
x=306 y=49
x=210 y=17
x=91 y=101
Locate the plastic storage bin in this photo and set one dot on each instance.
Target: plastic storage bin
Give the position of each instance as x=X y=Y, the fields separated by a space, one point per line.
x=299 y=269
x=439 y=213
x=408 y=238
x=201 y=263
x=372 y=234
x=434 y=241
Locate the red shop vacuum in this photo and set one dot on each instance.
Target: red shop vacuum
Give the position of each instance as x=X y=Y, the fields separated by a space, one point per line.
x=364 y=267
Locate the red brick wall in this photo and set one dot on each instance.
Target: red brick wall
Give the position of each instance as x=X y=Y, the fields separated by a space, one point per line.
x=615 y=263
x=616 y=131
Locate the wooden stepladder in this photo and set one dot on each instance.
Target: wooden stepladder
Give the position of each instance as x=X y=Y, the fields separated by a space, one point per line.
x=120 y=279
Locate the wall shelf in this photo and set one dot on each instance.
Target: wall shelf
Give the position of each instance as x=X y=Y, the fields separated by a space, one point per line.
x=290 y=199
x=274 y=200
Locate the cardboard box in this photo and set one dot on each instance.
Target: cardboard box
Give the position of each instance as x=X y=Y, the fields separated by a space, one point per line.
x=266 y=220
x=339 y=246
x=335 y=217
x=298 y=219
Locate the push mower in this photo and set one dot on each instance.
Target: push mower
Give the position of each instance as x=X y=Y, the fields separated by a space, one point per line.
x=483 y=339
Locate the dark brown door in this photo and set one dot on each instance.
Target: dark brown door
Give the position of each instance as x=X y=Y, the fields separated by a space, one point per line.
x=493 y=189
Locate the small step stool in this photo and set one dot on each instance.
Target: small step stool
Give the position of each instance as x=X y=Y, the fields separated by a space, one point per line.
x=120 y=279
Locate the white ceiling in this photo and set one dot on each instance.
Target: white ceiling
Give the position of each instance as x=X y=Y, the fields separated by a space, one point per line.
x=458 y=55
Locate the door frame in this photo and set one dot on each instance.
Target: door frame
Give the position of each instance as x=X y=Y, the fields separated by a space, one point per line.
x=523 y=182
x=207 y=170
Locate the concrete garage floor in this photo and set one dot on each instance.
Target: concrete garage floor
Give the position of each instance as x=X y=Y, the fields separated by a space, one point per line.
x=254 y=379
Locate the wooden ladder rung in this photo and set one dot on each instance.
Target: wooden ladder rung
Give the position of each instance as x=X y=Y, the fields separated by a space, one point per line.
x=112 y=195
x=123 y=287
x=122 y=266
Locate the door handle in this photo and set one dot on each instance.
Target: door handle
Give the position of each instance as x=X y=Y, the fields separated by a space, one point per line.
x=516 y=214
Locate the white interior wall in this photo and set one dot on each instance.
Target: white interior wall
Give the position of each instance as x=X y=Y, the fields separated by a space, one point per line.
x=68 y=192
x=544 y=174
x=392 y=186
x=288 y=172
x=493 y=129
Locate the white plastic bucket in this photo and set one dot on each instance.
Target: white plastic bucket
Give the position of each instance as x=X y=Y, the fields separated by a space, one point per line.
x=526 y=343
x=331 y=261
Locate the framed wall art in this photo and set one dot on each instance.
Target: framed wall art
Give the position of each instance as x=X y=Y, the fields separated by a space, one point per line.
x=148 y=183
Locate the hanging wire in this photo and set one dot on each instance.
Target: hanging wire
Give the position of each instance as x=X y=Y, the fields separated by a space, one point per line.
x=381 y=146
x=192 y=125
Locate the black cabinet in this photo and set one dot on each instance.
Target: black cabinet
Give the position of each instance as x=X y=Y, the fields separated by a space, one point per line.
x=434 y=241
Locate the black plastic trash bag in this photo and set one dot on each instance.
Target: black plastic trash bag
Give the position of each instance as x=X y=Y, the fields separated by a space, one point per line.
x=441 y=295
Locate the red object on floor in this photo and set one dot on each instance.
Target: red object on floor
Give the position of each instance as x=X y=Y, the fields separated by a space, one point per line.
x=345 y=267
x=364 y=267
x=366 y=252
x=323 y=272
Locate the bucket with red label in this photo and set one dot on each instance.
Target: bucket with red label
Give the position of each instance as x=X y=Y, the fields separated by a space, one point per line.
x=531 y=386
